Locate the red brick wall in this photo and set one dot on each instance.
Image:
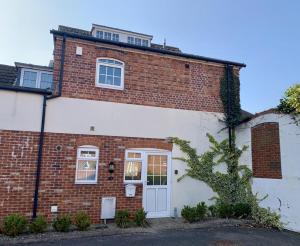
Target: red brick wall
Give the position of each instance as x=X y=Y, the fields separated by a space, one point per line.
x=266 y=161
x=18 y=154
x=154 y=80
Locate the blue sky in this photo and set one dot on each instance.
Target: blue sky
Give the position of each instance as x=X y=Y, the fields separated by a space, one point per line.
x=261 y=33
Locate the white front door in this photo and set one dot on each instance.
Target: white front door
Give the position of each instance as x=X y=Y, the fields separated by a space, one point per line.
x=156 y=195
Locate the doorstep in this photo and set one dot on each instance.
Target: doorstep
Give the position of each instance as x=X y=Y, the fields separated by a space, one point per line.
x=155 y=226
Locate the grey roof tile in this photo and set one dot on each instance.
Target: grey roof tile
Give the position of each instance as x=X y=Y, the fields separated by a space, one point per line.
x=8 y=74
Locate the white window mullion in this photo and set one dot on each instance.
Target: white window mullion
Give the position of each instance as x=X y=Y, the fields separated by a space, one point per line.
x=38 y=82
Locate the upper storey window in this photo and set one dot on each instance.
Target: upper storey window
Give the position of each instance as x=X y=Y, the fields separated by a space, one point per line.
x=36 y=79
x=107 y=35
x=137 y=41
x=110 y=73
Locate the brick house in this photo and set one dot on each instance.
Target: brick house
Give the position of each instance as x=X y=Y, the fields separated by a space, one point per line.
x=96 y=120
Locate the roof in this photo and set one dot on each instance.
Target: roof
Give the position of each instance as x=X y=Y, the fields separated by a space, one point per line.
x=32 y=66
x=8 y=74
x=122 y=30
x=86 y=35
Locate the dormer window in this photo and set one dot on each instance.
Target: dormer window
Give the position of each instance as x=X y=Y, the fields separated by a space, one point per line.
x=99 y=34
x=110 y=73
x=36 y=79
x=130 y=40
x=107 y=35
x=138 y=41
x=145 y=42
x=115 y=37
x=119 y=35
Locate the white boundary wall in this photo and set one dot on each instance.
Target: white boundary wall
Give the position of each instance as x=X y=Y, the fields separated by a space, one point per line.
x=283 y=194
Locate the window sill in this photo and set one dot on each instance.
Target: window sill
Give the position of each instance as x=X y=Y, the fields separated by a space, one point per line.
x=85 y=183
x=133 y=182
x=120 y=88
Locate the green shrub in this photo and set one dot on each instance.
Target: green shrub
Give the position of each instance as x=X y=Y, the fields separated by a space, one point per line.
x=189 y=213
x=38 y=225
x=242 y=210
x=14 y=225
x=225 y=210
x=82 y=221
x=266 y=218
x=62 y=223
x=122 y=218
x=213 y=210
x=201 y=211
x=140 y=218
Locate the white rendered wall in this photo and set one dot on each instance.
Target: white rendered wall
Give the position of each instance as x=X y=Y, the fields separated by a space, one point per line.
x=283 y=194
x=20 y=111
x=67 y=115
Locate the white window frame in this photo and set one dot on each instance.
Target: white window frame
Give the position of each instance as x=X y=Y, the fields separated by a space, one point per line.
x=134 y=159
x=38 y=76
x=78 y=158
x=132 y=40
x=98 y=63
x=117 y=37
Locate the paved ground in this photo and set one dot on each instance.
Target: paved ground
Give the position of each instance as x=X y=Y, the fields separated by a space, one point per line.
x=223 y=236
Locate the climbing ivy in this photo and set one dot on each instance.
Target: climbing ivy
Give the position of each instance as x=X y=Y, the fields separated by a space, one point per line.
x=233 y=186
x=230 y=96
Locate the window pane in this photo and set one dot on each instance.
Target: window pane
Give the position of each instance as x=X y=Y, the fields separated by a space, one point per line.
x=130 y=40
x=102 y=69
x=46 y=81
x=118 y=63
x=86 y=175
x=134 y=155
x=102 y=79
x=29 y=79
x=99 y=34
x=117 y=72
x=133 y=170
x=107 y=35
x=164 y=180
x=156 y=180
x=115 y=37
x=149 y=180
x=87 y=153
x=138 y=41
x=156 y=170
x=117 y=81
x=86 y=170
x=145 y=42
x=109 y=80
x=110 y=70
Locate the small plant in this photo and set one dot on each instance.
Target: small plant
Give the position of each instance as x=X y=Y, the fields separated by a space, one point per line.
x=189 y=214
x=82 y=221
x=242 y=210
x=213 y=211
x=122 y=218
x=266 y=218
x=225 y=210
x=14 y=225
x=140 y=218
x=62 y=223
x=201 y=211
x=38 y=225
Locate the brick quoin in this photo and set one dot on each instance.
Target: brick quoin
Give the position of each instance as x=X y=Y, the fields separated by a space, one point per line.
x=18 y=154
x=150 y=79
x=266 y=162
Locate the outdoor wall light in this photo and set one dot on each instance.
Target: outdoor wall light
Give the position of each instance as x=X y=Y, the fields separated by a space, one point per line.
x=111 y=169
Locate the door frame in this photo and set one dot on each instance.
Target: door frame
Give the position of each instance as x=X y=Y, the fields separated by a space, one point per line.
x=145 y=152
